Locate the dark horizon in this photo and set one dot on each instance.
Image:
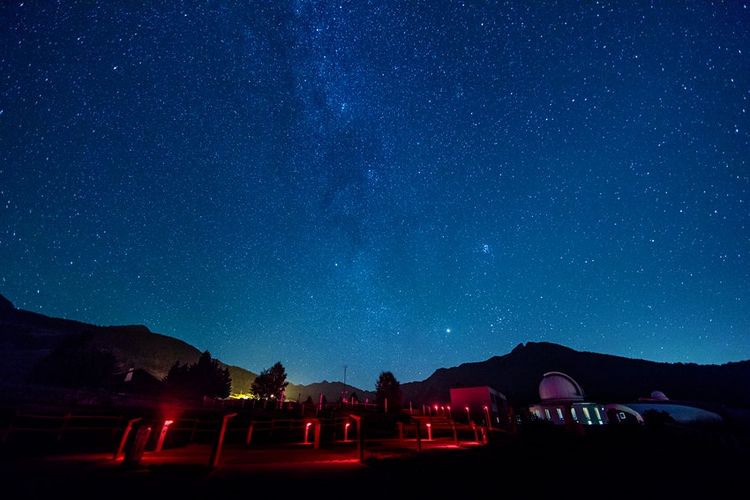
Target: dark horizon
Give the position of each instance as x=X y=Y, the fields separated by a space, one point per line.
x=536 y=358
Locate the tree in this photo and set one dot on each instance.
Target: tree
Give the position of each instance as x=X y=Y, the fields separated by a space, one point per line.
x=388 y=392
x=207 y=377
x=270 y=383
x=75 y=363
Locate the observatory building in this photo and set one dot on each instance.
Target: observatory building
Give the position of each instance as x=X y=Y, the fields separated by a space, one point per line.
x=562 y=401
x=481 y=404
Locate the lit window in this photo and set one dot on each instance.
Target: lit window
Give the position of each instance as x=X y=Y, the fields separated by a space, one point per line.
x=573 y=412
x=560 y=415
x=546 y=414
x=598 y=415
x=586 y=413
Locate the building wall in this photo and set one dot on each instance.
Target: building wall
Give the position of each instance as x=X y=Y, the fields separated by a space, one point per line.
x=476 y=399
x=562 y=412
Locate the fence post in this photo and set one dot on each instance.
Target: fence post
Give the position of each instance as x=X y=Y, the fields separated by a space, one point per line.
x=163 y=434
x=316 y=439
x=134 y=452
x=216 y=452
x=360 y=437
x=124 y=437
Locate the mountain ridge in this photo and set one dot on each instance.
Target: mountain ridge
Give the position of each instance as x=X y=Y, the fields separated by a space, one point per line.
x=27 y=336
x=603 y=376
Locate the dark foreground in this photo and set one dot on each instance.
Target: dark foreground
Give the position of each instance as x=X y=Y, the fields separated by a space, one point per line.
x=615 y=462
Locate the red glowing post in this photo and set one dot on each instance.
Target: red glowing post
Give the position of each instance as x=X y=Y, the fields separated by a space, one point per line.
x=487 y=415
x=360 y=437
x=429 y=431
x=124 y=437
x=468 y=414
x=134 y=453
x=307 y=432
x=346 y=431
x=163 y=434
x=216 y=451
x=316 y=439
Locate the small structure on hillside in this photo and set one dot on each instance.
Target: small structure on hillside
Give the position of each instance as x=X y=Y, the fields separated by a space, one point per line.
x=481 y=404
x=562 y=401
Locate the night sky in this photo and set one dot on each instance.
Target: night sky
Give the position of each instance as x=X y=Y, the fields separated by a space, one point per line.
x=384 y=185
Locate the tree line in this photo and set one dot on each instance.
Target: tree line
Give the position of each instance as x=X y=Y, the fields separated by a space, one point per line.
x=74 y=365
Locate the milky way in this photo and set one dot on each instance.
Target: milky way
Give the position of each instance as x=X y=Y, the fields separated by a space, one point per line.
x=384 y=185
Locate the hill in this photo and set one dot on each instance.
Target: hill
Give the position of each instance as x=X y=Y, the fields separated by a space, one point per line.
x=602 y=376
x=331 y=390
x=27 y=337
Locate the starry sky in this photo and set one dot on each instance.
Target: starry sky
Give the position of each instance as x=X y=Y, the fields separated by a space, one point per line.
x=383 y=185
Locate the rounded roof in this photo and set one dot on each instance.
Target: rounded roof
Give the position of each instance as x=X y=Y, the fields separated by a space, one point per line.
x=559 y=386
x=659 y=396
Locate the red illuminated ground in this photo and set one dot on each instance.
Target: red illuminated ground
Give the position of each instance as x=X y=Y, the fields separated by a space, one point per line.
x=641 y=462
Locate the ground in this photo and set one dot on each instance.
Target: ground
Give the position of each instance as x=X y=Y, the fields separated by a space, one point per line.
x=647 y=462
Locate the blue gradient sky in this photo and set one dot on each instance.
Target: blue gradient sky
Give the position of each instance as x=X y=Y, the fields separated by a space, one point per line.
x=385 y=185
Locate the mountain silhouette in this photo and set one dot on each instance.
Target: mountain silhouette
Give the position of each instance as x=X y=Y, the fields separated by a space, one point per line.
x=603 y=377
x=27 y=337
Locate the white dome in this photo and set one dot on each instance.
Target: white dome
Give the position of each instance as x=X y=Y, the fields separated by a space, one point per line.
x=659 y=396
x=557 y=385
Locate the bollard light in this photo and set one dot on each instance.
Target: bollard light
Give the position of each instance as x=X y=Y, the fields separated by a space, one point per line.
x=307 y=432
x=163 y=434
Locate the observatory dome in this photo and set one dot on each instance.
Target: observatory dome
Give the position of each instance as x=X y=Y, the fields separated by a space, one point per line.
x=559 y=386
x=659 y=396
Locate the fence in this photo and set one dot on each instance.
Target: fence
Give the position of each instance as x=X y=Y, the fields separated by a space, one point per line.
x=117 y=433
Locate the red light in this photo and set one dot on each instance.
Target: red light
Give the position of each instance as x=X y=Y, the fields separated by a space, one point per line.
x=168 y=422
x=308 y=424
